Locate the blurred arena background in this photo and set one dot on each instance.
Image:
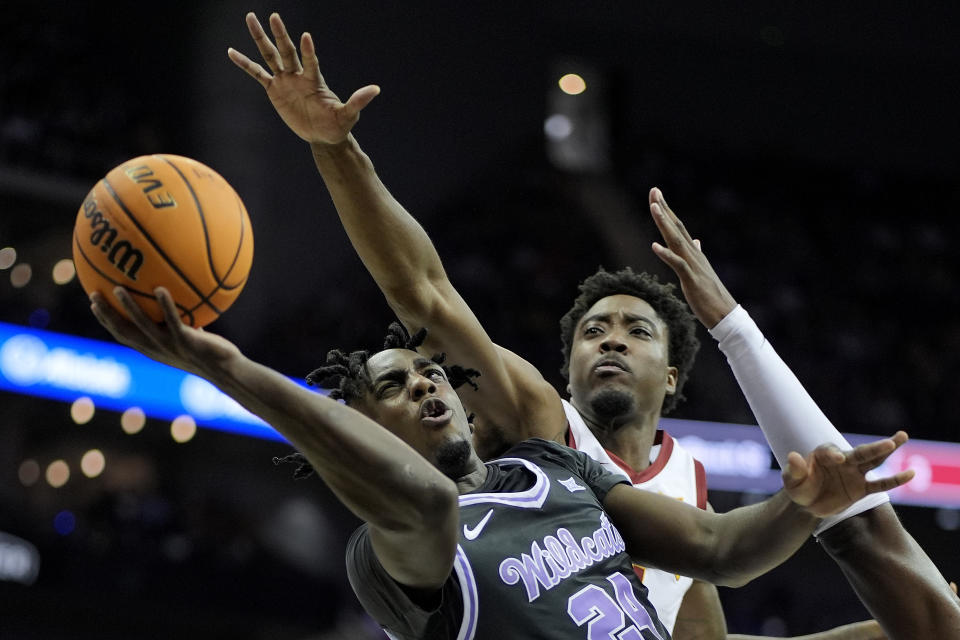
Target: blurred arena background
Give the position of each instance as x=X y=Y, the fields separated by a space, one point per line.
x=812 y=148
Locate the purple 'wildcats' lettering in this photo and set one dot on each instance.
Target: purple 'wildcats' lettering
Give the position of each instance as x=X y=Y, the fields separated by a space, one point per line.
x=559 y=557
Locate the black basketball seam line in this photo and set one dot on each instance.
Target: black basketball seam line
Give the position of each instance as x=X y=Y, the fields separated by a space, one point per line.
x=149 y=239
x=187 y=312
x=212 y=293
x=222 y=285
x=236 y=256
x=203 y=218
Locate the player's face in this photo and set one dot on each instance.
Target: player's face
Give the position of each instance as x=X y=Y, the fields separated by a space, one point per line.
x=619 y=362
x=411 y=396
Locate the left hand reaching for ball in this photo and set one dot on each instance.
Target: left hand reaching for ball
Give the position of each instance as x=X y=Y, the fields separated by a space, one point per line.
x=828 y=480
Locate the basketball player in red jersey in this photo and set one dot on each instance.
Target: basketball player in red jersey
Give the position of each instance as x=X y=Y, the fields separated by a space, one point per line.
x=513 y=394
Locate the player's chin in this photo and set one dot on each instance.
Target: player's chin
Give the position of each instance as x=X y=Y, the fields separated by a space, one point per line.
x=452 y=457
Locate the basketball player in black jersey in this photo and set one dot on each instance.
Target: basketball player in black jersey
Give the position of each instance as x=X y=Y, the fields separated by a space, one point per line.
x=537 y=544
x=513 y=393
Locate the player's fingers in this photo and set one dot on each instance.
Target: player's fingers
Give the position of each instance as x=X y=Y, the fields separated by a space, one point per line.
x=696 y=243
x=795 y=471
x=890 y=482
x=953 y=585
x=829 y=455
x=671 y=259
x=671 y=234
x=877 y=452
x=107 y=316
x=360 y=99
x=269 y=52
x=288 y=52
x=311 y=64
x=674 y=218
x=170 y=315
x=253 y=69
x=137 y=315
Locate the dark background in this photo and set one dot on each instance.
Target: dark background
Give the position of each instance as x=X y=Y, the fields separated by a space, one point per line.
x=812 y=148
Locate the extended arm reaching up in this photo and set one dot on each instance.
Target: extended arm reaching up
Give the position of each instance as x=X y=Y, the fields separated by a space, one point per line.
x=394 y=248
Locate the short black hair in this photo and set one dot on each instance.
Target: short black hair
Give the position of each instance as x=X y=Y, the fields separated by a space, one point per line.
x=347 y=377
x=681 y=325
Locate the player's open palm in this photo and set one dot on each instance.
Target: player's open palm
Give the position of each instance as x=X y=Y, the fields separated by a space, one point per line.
x=828 y=480
x=172 y=342
x=297 y=90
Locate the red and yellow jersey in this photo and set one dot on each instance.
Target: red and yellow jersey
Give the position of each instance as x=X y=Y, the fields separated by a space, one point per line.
x=672 y=472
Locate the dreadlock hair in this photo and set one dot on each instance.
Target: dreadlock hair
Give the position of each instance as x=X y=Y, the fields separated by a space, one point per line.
x=346 y=375
x=681 y=326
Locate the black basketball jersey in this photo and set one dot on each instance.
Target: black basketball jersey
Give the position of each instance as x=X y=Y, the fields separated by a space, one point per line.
x=537 y=558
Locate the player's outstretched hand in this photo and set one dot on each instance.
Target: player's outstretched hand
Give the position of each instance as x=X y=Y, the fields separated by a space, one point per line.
x=828 y=480
x=172 y=342
x=297 y=90
x=708 y=298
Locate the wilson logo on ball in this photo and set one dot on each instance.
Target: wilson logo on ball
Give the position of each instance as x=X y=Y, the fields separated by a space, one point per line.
x=103 y=235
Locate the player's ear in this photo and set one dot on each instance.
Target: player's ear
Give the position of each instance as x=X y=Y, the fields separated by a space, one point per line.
x=672 y=374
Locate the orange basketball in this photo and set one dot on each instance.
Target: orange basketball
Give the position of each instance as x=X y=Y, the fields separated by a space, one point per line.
x=170 y=221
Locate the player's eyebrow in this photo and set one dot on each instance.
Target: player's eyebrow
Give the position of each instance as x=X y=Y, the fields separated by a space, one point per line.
x=393 y=375
x=605 y=318
x=400 y=375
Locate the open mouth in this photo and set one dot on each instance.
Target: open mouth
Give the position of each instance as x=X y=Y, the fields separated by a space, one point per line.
x=609 y=367
x=434 y=412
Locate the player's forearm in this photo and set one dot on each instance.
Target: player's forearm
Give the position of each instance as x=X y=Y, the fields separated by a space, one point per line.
x=783 y=408
x=392 y=245
x=355 y=456
x=868 y=630
x=753 y=540
x=788 y=416
x=894 y=578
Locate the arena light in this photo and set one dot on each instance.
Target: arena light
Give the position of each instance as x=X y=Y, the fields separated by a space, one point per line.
x=183 y=428
x=28 y=472
x=572 y=84
x=93 y=463
x=20 y=275
x=64 y=271
x=82 y=410
x=8 y=257
x=133 y=420
x=58 y=473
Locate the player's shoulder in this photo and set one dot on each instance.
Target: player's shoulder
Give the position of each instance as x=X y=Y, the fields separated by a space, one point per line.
x=539 y=450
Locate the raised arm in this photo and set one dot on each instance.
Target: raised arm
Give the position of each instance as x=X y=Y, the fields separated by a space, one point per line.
x=788 y=416
x=394 y=248
x=411 y=507
x=879 y=557
x=734 y=547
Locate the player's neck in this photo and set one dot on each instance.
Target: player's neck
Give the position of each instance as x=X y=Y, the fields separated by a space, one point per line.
x=474 y=477
x=631 y=441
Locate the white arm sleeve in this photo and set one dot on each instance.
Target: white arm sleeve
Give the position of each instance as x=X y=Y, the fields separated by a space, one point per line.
x=788 y=416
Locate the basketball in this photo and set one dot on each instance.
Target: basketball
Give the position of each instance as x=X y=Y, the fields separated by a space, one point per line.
x=165 y=220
